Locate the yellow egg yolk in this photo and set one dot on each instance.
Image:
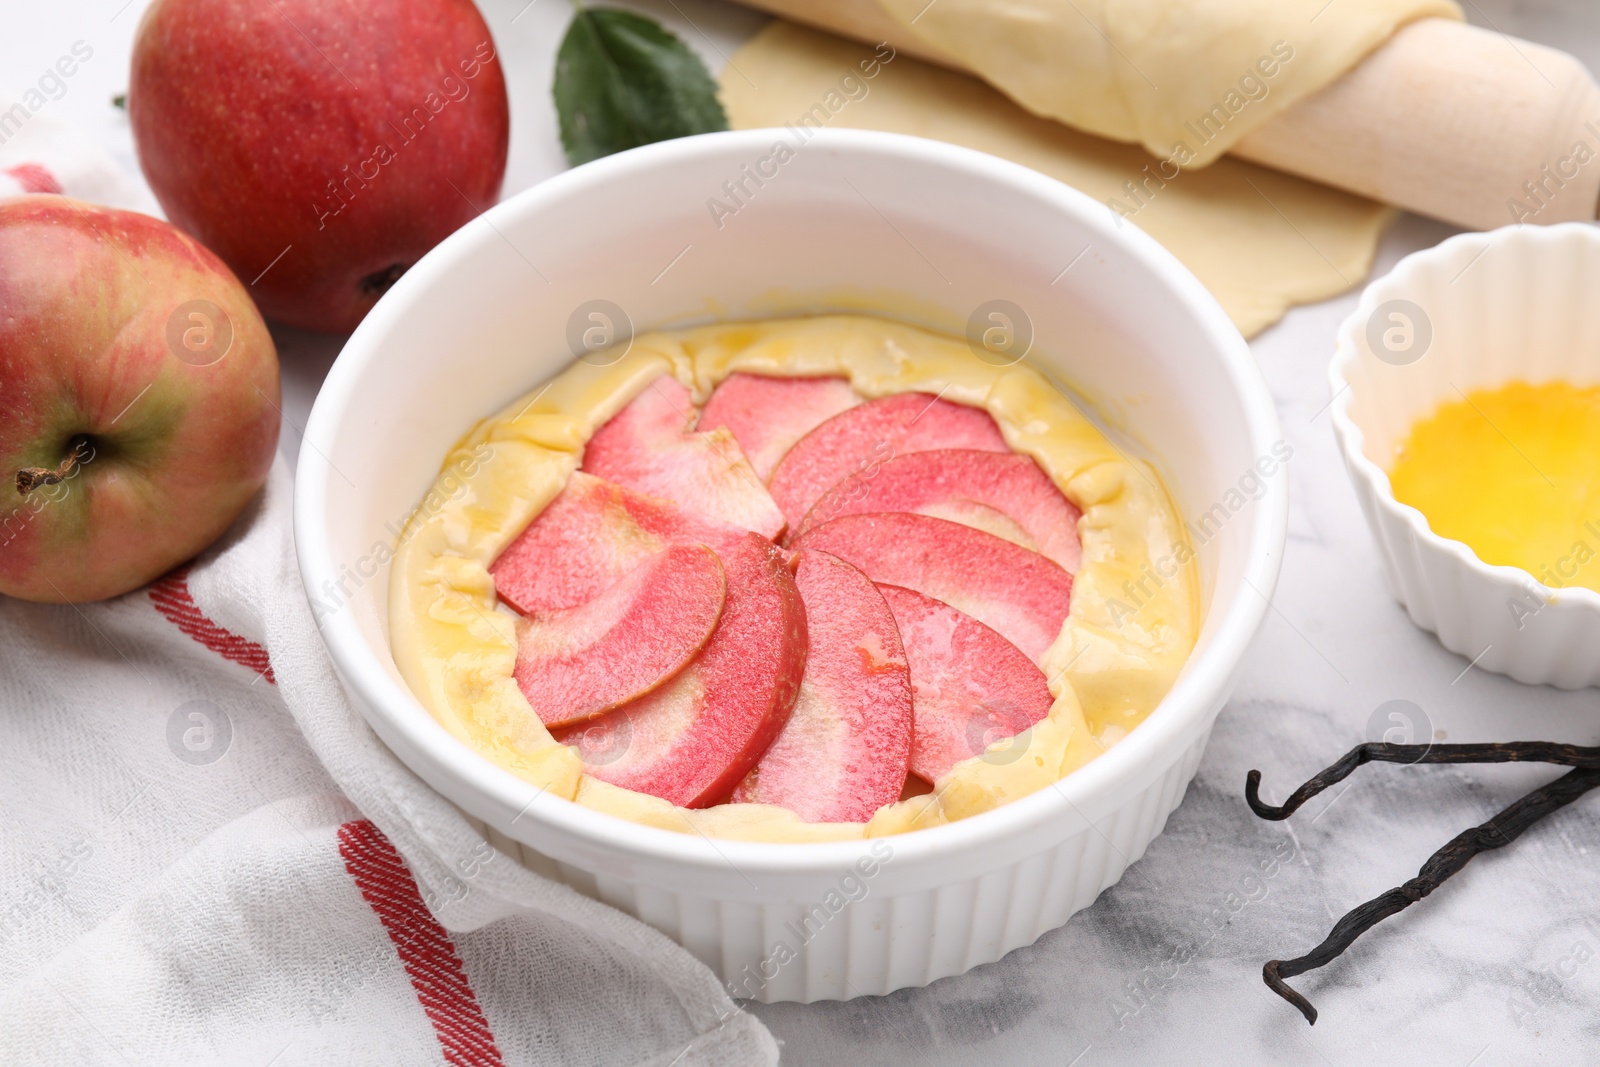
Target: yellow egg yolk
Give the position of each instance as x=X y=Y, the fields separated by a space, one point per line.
x=1514 y=473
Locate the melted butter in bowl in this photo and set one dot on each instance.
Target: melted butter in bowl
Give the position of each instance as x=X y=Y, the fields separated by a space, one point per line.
x=1513 y=473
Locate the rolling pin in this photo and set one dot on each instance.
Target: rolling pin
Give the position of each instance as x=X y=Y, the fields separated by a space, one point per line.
x=1444 y=119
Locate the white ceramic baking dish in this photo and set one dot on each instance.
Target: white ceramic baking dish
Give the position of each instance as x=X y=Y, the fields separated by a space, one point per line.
x=1477 y=311
x=923 y=231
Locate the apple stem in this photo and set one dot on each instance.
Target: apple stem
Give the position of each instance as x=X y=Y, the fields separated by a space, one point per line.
x=31 y=478
x=379 y=281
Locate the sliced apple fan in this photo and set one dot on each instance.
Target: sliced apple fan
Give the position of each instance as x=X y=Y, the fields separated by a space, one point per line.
x=685 y=654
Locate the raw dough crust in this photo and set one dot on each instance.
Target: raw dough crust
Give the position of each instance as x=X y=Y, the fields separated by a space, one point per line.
x=1260 y=240
x=1108 y=668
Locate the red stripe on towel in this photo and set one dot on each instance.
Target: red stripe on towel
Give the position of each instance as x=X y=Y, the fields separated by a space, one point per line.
x=172 y=598
x=425 y=947
x=34 y=178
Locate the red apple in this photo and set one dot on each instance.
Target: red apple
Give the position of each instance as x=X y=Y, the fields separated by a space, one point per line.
x=965 y=486
x=138 y=399
x=971 y=687
x=847 y=747
x=1017 y=592
x=649 y=448
x=576 y=663
x=768 y=415
x=863 y=438
x=692 y=740
x=320 y=147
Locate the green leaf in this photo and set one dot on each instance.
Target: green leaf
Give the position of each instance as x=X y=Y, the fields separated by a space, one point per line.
x=623 y=81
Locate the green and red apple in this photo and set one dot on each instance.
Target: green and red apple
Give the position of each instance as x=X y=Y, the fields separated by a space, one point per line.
x=138 y=399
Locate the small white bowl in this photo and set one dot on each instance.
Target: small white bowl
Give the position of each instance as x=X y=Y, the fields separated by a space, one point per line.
x=1478 y=311
x=849 y=219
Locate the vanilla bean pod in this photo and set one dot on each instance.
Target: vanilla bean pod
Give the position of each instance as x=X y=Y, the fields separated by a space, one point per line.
x=1496 y=833
x=1383 y=752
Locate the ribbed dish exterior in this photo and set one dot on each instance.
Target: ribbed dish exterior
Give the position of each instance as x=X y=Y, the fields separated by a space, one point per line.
x=884 y=942
x=1514 y=304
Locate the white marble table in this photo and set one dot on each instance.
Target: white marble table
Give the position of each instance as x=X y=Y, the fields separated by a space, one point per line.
x=1502 y=966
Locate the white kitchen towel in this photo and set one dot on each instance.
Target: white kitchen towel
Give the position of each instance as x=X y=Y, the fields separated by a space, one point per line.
x=40 y=153
x=209 y=857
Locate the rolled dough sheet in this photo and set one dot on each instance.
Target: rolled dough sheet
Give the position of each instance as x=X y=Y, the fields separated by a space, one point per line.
x=1261 y=241
x=1145 y=70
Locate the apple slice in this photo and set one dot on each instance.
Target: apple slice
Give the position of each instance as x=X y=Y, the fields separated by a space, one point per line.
x=696 y=737
x=576 y=663
x=1021 y=594
x=980 y=517
x=971 y=687
x=587 y=538
x=845 y=752
x=648 y=447
x=768 y=415
x=963 y=484
x=858 y=440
